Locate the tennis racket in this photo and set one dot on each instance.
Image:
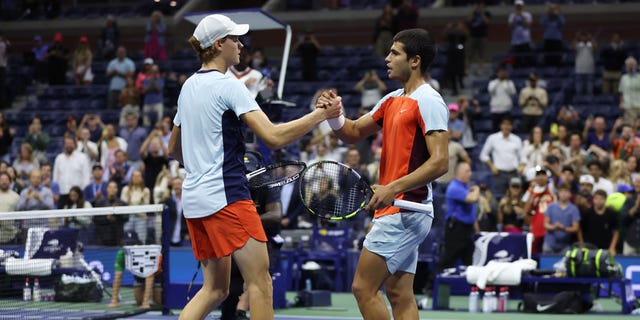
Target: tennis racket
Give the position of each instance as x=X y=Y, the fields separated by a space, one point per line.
x=333 y=191
x=275 y=175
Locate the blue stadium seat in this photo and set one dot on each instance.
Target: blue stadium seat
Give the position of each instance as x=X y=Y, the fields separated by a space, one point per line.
x=485 y=126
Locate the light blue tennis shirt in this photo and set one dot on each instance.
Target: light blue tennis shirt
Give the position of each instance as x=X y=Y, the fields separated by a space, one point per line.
x=209 y=107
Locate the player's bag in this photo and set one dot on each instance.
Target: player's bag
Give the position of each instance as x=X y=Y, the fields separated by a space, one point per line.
x=565 y=302
x=589 y=261
x=77 y=289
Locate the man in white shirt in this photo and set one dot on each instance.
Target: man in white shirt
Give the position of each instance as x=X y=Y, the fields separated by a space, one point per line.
x=502 y=91
x=502 y=152
x=8 y=202
x=600 y=183
x=86 y=146
x=71 y=168
x=252 y=78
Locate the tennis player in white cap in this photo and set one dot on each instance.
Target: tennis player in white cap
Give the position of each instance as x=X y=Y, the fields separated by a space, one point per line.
x=208 y=139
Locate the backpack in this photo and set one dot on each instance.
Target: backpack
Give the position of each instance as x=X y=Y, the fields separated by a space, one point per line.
x=565 y=302
x=589 y=262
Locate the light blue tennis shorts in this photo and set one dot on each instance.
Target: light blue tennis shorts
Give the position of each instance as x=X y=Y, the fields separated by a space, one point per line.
x=396 y=238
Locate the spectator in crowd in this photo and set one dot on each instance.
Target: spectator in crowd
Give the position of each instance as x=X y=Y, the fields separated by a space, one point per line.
x=8 y=202
x=46 y=172
x=177 y=223
x=162 y=186
x=599 y=225
x=478 y=24
x=15 y=185
x=632 y=167
x=71 y=127
x=96 y=190
x=456 y=35
x=374 y=167
x=6 y=139
x=520 y=23
x=4 y=46
x=38 y=140
x=456 y=125
x=568 y=177
x=143 y=74
x=120 y=171
x=561 y=222
x=569 y=117
x=469 y=109
x=585 y=64
x=599 y=182
x=552 y=23
x=612 y=58
x=597 y=137
x=24 y=163
x=584 y=198
x=154 y=40
x=618 y=174
x=130 y=101
x=487 y=209
x=109 y=145
x=253 y=79
x=57 y=60
x=511 y=214
x=86 y=146
x=534 y=151
x=576 y=154
x=165 y=125
x=457 y=154
x=292 y=207
x=35 y=197
x=384 y=30
x=371 y=89
x=461 y=214
x=502 y=152
x=134 y=135
x=118 y=70
x=110 y=228
x=135 y=194
x=39 y=51
x=625 y=145
x=539 y=196
x=629 y=89
x=502 y=90
x=71 y=168
x=94 y=124
x=81 y=62
x=153 y=89
x=631 y=219
x=533 y=100
x=258 y=60
x=154 y=156
x=75 y=200
x=308 y=48
x=407 y=15
x=109 y=39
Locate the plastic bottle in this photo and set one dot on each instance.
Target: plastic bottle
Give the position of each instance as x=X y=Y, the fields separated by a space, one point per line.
x=307 y=284
x=26 y=291
x=36 y=290
x=474 y=296
x=488 y=301
x=503 y=299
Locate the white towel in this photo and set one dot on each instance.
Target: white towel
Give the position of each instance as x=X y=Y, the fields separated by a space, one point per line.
x=499 y=273
x=29 y=267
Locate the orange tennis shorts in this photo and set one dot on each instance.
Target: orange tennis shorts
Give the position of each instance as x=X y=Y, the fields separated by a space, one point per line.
x=220 y=234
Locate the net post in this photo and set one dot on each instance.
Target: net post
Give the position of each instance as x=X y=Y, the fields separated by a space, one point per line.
x=166 y=279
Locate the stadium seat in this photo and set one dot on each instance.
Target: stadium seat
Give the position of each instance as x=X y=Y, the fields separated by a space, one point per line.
x=327 y=245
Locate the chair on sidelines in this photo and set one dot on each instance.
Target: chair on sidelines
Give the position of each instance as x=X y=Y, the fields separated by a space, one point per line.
x=326 y=245
x=501 y=246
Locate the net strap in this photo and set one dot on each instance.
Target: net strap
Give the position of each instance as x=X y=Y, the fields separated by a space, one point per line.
x=59 y=213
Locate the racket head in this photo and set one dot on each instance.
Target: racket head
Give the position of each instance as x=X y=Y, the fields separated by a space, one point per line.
x=275 y=175
x=333 y=191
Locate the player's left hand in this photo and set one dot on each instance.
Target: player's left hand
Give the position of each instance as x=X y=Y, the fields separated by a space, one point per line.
x=383 y=197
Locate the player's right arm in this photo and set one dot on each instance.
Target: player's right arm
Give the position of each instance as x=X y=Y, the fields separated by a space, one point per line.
x=353 y=130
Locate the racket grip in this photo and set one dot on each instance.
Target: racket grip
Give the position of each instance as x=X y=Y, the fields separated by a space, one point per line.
x=413 y=206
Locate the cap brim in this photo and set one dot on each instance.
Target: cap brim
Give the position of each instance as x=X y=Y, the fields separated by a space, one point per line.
x=239 y=30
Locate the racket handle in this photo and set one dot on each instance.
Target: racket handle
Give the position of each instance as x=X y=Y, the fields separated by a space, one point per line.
x=413 y=206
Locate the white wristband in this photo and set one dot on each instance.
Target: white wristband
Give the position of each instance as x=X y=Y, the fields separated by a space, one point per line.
x=336 y=123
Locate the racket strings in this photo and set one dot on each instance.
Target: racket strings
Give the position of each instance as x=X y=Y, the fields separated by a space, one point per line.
x=332 y=191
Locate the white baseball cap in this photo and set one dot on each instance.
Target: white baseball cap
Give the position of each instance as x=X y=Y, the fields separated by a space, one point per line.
x=217 y=26
x=519 y=3
x=586 y=178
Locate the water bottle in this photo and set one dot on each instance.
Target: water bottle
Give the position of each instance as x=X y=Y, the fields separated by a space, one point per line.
x=503 y=299
x=488 y=300
x=307 y=285
x=26 y=291
x=474 y=296
x=36 y=290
